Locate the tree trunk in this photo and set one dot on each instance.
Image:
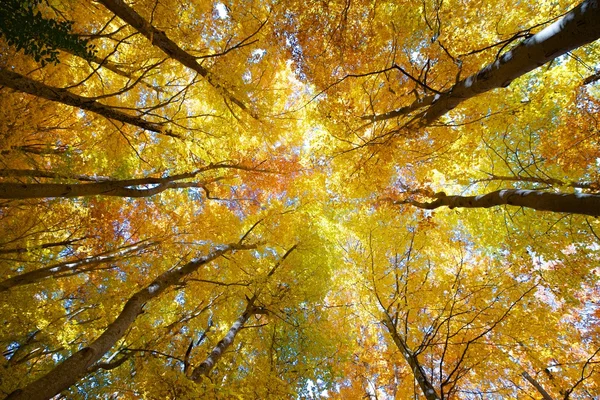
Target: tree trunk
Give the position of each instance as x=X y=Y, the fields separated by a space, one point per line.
x=45 y=190
x=21 y=83
x=117 y=188
x=38 y=173
x=70 y=268
x=169 y=47
x=574 y=203
x=592 y=79
x=413 y=362
x=537 y=386
x=78 y=365
x=215 y=355
x=579 y=27
x=207 y=365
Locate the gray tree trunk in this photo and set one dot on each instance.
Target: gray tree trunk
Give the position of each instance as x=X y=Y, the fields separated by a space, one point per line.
x=207 y=365
x=70 y=268
x=573 y=203
x=117 y=188
x=169 y=47
x=537 y=386
x=579 y=27
x=424 y=383
x=217 y=352
x=23 y=84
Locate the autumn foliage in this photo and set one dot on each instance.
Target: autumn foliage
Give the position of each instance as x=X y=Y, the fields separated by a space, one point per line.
x=300 y=199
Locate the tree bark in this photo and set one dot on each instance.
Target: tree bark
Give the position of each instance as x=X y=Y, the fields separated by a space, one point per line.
x=217 y=352
x=23 y=84
x=424 y=383
x=169 y=47
x=579 y=27
x=592 y=79
x=207 y=365
x=70 y=268
x=105 y=186
x=79 y=364
x=537 y=386
x=117 y=188
x=573 y=203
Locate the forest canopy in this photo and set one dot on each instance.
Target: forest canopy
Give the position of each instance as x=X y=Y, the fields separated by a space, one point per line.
x=259 y=199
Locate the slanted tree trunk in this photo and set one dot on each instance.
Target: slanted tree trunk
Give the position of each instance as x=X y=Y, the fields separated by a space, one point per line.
x=217 y=352
x=79 y=364
x=592 y=78
x=38 y=173
x=114 y=188
x=70 y=268
x=105 y=186
x=215 y=355
x=424 y=383
x=117 y=188
x=169 y=47
x=537 y=386
x=579 y=27
x=23 y=84
x=573 y=203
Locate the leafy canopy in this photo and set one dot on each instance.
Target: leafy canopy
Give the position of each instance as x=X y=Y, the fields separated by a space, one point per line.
x=246 y=199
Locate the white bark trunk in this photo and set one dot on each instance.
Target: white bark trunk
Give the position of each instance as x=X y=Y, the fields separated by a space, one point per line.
x=215 y=355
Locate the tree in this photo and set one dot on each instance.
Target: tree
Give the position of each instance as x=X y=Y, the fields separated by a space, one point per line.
x=260 y=199
x=574 y=203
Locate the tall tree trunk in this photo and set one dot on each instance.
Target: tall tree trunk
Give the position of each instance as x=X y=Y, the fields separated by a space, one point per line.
x=23 y=84
x=574 y=203
x=169 y=47
x=70 y=268
x=537 y=386
x=117 y=188
x=424 y=383
x=217 y=352
x=105 y=186
x=114 y=188
x=215 y=355
x=579 y=27
x=77 y=365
